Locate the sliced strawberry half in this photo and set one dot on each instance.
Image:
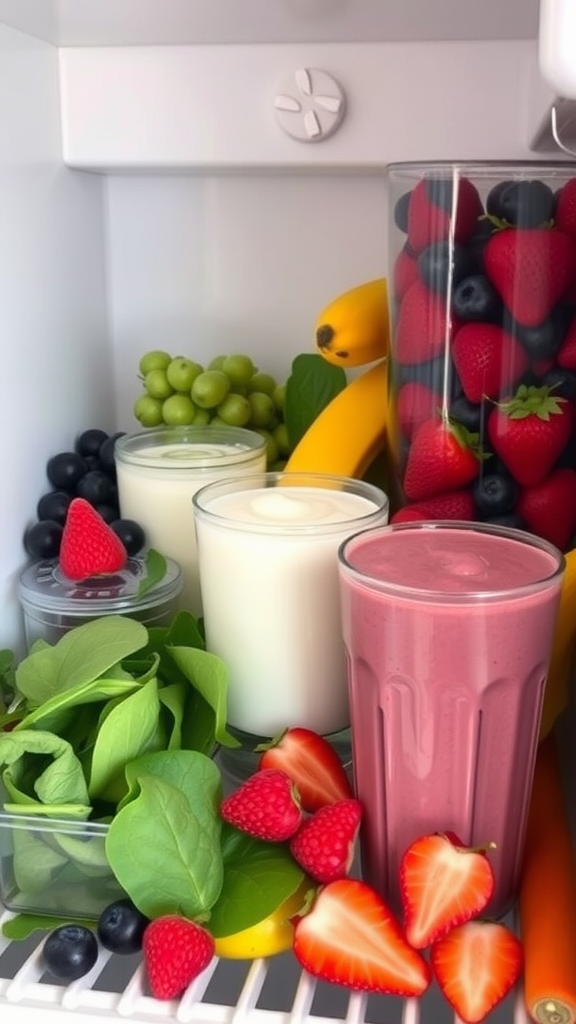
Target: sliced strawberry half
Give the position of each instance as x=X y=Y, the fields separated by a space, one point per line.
x=443 y=884
x=89 y=545
x=350 y=937
x=476 y=966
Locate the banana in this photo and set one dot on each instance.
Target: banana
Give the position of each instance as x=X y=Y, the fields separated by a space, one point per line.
x=348 y=434
x=351 y=431
x=353 y=329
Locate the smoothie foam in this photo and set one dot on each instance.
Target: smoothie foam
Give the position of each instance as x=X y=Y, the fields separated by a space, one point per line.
x=448 y=634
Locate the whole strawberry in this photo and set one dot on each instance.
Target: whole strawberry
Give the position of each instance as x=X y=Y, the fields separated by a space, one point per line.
x=549 y=508
x=324 y=845
x=267 y=806
x=530 y=431
x=531 y=269
x=435 y=213
x=443 y=457
x=175 y=951
x=423 y=327
x=89 y=547
x=489 y=361
x=452 y=505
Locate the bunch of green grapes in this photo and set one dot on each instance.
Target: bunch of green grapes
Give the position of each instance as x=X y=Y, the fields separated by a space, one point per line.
x=230 y=391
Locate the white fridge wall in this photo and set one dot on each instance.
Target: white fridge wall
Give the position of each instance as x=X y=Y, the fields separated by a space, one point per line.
x=56 y=361
x=203 y=266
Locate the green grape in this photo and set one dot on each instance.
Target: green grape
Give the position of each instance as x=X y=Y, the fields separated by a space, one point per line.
x=271 y=446
x=263 y=382
x=154 y=360
x=210 y=388
x=182 y=373
x=216 y=363
x=235 y=410
x=148 y=411
x=280 y=435
x=278 y=396
x=178 y=411
x=157 y=384
x=202 y=417
x=217 y=421
x=239 y=369
x=263 y=411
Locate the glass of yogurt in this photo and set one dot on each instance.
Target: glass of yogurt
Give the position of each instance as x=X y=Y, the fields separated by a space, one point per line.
x=267 y=554
x=159 y=470
x=448 y=630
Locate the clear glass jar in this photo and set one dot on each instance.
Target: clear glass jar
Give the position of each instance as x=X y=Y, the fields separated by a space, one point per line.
x=482 y=269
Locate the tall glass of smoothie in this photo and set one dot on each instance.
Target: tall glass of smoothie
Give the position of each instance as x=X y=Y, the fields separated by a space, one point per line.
x=448 y=632
x=268 y=559
x=158 y=472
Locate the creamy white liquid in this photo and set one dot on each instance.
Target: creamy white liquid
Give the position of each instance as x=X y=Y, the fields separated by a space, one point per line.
x=159 y=497
x=269 y=574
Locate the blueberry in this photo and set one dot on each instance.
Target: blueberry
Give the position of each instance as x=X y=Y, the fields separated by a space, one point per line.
x=130 y=533
x=108 y=512
x=470 y=414
x=88 y=443
x=545 y=339
x=508 y=519
x=43 y=539
x=92 y=462
x=494 y=494
x=442 y=262
x=70 y=951
x=493 y=199
x=475 y=298
x=562 y=382
x=97 y=488
x=121 y=927
x=401 y=212
x=106 y=453
x=527 y=204
x=65 y=470
x=54 y=505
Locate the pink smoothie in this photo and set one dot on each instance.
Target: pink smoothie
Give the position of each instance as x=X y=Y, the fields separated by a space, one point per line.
x=448 y=633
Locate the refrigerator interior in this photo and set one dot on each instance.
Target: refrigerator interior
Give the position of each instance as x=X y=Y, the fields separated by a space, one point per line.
x=149 y=198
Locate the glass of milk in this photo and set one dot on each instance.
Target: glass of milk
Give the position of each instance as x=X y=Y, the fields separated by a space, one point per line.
x=159 y=470
x=267 y=555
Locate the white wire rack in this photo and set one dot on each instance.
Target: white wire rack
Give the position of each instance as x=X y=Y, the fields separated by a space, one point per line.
x=274 y=991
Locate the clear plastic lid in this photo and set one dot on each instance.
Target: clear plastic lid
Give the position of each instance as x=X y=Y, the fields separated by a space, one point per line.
x=43 y=586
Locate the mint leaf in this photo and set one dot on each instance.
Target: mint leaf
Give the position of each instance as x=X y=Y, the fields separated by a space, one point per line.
x=155 y=571
x=311 y=385
x=258 y=878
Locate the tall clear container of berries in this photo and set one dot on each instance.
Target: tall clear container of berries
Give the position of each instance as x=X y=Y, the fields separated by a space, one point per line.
x=482 y=281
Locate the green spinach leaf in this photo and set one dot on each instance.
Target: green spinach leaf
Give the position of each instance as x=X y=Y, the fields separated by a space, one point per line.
x=209 y=676
x=80 y=656
x=41 y=767
x=125 y=733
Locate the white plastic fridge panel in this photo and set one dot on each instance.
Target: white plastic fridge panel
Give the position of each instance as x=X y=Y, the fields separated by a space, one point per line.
x=203 y=266
x=54 y=335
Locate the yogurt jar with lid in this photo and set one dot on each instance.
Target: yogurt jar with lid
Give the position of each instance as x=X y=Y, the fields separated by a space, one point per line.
x=53 y=604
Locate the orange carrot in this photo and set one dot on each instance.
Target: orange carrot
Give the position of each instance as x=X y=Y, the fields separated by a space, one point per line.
x=547 y=898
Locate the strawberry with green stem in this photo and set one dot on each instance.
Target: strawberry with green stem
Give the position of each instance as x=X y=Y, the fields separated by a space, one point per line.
x=350 y=937
x=529 y=432
x=444 y=456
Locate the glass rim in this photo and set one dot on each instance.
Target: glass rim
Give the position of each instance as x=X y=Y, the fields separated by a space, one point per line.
x=479 y=167
x=267 y=480
x=134 y=449
x=373 y=582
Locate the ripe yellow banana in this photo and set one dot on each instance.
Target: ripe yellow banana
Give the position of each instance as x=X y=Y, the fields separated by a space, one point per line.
x=351 y=431
x=353 y=329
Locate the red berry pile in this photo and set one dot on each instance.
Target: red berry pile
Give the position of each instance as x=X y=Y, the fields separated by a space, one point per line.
x=484 y=354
